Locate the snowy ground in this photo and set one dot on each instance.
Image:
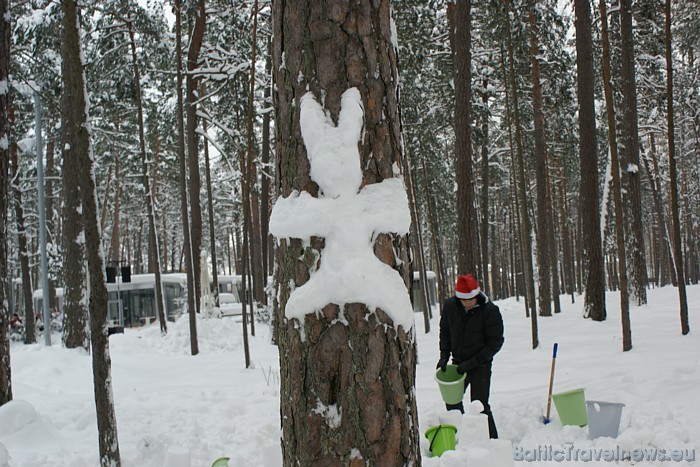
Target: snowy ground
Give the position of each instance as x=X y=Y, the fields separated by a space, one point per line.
x=171 y=406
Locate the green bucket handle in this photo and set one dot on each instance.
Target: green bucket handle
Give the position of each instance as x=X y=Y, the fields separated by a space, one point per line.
x=434 y=438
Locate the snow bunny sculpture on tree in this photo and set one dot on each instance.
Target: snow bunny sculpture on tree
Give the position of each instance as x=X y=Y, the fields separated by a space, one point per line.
x=348 y=218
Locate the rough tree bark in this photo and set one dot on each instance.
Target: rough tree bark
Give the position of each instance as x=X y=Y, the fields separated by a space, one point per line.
x=5 y=366
x=29 y=324
x=150 y=193
x=210 y=213
x=485 y=257
x=77 y=155
x=362 y=364
x=266 y=175
x=75 y=303
x=462 y=57
x=617 y=185
x=193 y=149
x=594 y=299
x=630 y=166
x=187 y=245
x=543 y=221
x=525 y=225
x=677 y=246
x=114 y=239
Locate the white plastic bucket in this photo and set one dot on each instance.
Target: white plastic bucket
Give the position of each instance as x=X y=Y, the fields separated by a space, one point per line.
x=603 y=418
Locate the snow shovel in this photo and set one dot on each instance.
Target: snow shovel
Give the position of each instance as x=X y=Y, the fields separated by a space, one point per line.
x=545 y=419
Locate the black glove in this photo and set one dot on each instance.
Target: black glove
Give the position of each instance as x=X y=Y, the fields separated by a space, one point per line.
x=467 y=365
x=442 y=364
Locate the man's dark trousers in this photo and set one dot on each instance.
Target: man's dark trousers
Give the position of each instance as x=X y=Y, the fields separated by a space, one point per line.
x=480 y=380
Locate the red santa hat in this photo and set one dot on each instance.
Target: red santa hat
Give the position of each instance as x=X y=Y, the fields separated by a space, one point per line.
x=467 y=287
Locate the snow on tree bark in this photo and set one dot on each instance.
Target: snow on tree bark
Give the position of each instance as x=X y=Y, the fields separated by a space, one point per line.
x=594 y=299
x=78 y=157
x=630 y=143
x=5 y=367
x=349 y=372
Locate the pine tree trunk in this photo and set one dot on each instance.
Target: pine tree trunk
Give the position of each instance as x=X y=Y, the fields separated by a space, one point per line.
x=29 y=326
x=594 y=300
x=543 y=241
x=210 y=212
x=566 y=243
x=665 y=248
x=690 y=235
x=435 y=237
x=526 y=227
x=630 y=165
x=250 y=246
x=267 y=251
x=364 y=368
x=419 y=251
x=150 y=193
x=553 y=249
x=461 y=52
x=78 y=159
x=516 y=226
x=114 y=239
x=485 y=196
x=5 y=364
x=187 y=245
x=52 y=229
x=677 y=247
x=103 y=216
x=617 y=185
x=75 y=300
x=193 y=149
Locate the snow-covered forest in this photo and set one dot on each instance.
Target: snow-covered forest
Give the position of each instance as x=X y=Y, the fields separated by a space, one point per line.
x=290 y=189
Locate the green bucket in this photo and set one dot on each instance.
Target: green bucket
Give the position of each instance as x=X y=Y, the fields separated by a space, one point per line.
x=451 y=384
x=442 y=438
x=571 y=407
x=221 y=462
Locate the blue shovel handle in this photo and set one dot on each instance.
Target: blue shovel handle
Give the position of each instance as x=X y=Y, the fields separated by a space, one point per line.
x=554 y=351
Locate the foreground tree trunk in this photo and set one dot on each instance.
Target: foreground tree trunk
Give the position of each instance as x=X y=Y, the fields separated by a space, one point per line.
x=5 y=368
x=617 y=186
x=210 y=214
x=75 y=301
x=193 y=150
x=630 y=166
x=543 y=208
x=360 y=367
x=594 y=300
x=29 y=324
x=187 y=245
x=525 y=225
x=150 y=193
x=677 y=247
x=77 y=154
x=485 y=180
x=462 y=57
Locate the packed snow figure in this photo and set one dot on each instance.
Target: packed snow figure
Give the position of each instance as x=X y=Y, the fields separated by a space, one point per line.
x=348 y=218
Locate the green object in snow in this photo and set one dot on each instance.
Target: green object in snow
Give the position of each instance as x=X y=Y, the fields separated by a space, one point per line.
x=221 y=462
x=571 y=407
x=442 y=438
x=451 y=384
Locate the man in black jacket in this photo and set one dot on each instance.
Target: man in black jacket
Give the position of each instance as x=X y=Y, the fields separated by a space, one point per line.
x=471 y=329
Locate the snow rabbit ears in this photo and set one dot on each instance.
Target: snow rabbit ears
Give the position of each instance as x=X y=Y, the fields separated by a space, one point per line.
x=332 y=150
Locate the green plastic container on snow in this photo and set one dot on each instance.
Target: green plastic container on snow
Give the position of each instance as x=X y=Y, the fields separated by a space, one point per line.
x=221 y=462
x=451 y=384
x=571 y=407
x=442 y=438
